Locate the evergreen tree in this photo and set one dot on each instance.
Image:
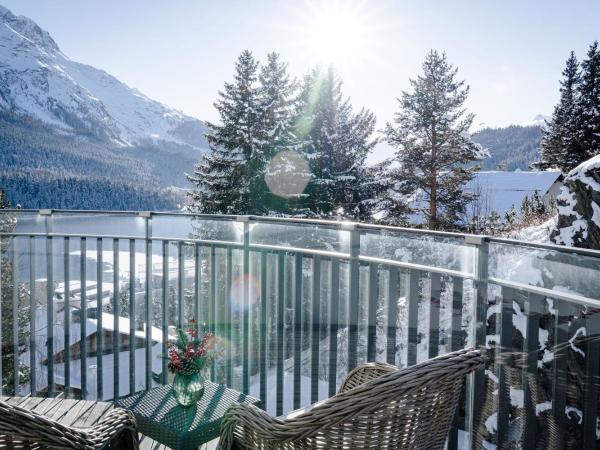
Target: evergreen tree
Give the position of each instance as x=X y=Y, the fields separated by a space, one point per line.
x=224 y=179
x=588 y=110
x=510 y=217
x=335 y=141
x=276 y=102
x=560 y=147
x=433 y=145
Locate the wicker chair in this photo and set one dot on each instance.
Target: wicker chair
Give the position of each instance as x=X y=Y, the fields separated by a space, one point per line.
x=24 y=429
x=377 y=407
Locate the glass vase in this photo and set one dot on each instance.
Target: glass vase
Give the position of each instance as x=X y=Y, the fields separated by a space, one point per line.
x=188 y=389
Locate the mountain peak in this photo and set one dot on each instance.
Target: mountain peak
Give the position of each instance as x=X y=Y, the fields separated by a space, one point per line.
x=27 y=29
x=39 y=81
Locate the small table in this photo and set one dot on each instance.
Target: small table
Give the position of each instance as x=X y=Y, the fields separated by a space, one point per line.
x=161 y=418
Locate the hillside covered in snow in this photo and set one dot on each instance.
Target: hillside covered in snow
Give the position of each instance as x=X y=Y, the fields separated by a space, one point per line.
x=62 y=122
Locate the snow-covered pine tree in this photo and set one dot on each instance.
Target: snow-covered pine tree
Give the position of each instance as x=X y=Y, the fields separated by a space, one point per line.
x=434 y=150
x=276 y=103
x=588 y=105
x=335 y=141
x=223 y=179
x=510 y=217
x=560 y=147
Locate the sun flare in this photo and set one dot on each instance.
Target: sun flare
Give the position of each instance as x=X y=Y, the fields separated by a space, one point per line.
x=336 y=32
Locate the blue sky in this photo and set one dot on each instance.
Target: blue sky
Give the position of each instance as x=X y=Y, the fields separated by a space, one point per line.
x=180 y=52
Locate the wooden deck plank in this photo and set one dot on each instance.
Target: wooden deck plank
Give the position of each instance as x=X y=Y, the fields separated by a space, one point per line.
x=56 y=409
x=92 y=415
x=76 y=412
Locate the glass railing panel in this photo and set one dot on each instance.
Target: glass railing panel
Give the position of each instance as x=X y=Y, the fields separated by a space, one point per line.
x=96 y=224
x=323 y=237
x=448 y=252
x=183 y=226
x=548 y=268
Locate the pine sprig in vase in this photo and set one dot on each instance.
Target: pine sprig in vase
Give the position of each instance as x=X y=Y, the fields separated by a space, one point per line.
x=189 y=354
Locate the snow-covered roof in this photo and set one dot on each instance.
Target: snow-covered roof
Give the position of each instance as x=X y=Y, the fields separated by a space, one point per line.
x=502 y=190
x=108 y=372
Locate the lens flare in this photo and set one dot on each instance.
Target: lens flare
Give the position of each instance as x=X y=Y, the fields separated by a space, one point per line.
x=287 y=174
x=237 y=292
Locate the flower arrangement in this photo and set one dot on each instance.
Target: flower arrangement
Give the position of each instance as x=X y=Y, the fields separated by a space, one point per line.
x=190 y=353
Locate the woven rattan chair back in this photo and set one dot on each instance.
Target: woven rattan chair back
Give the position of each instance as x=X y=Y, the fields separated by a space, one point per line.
x=378 y=407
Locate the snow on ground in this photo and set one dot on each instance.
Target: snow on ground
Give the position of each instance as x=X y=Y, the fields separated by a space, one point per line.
x=539 y=234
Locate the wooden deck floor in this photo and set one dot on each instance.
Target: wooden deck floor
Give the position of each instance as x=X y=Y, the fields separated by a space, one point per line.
x=82 y=414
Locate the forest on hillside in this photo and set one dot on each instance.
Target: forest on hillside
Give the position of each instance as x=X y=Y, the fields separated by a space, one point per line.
x=512 y=148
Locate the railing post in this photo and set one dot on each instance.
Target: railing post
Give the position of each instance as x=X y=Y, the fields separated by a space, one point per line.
x=47 y=214
x=245 y=220
x=476 y=380
x=354 y=295
x=149 y=298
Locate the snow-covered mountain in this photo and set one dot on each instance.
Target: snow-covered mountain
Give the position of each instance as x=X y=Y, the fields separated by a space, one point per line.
x=537 y=121
x=38 y=80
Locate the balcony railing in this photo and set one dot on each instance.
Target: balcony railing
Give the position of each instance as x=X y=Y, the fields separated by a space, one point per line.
x=297 y=304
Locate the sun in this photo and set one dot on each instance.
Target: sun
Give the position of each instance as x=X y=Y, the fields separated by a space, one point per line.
x=336 y=32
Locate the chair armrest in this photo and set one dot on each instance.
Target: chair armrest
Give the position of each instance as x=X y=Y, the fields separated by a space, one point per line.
x=364 y=373
x=117 y=426
x=253 y=420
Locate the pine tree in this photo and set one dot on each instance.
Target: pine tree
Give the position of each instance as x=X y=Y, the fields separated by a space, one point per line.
x=224 y=179
x=510 y=217
x=538 y=208
x=276 y=103
x=433 y=146
x=560 y=146
x=335 y=141
x=588 y=110
x=526 y=210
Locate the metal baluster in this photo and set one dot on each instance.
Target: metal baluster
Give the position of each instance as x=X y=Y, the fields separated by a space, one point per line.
x=505 y=327
x=83 y=317
x=213 y=301
x=297 y=328
x=180 y=285
x=67 y=313
x=280 y=322
x=530 y=368
x=116 y=315
x=434 y=315
x=149 y=299
x=99 y=328
x=354 y=297
x=228 y=321
x=393 y=294
x=263 y=328
x=15 y=317
x=559 y=367
x=413 y=315
x=316 y=327
x=197 y=269
x=591 y=380
x=33 y=318
x=165 y=306
x=455 y=344
x=50 y=314
x=132 y=308
x=246 y=310
x=334 y=283
x=372 y=311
